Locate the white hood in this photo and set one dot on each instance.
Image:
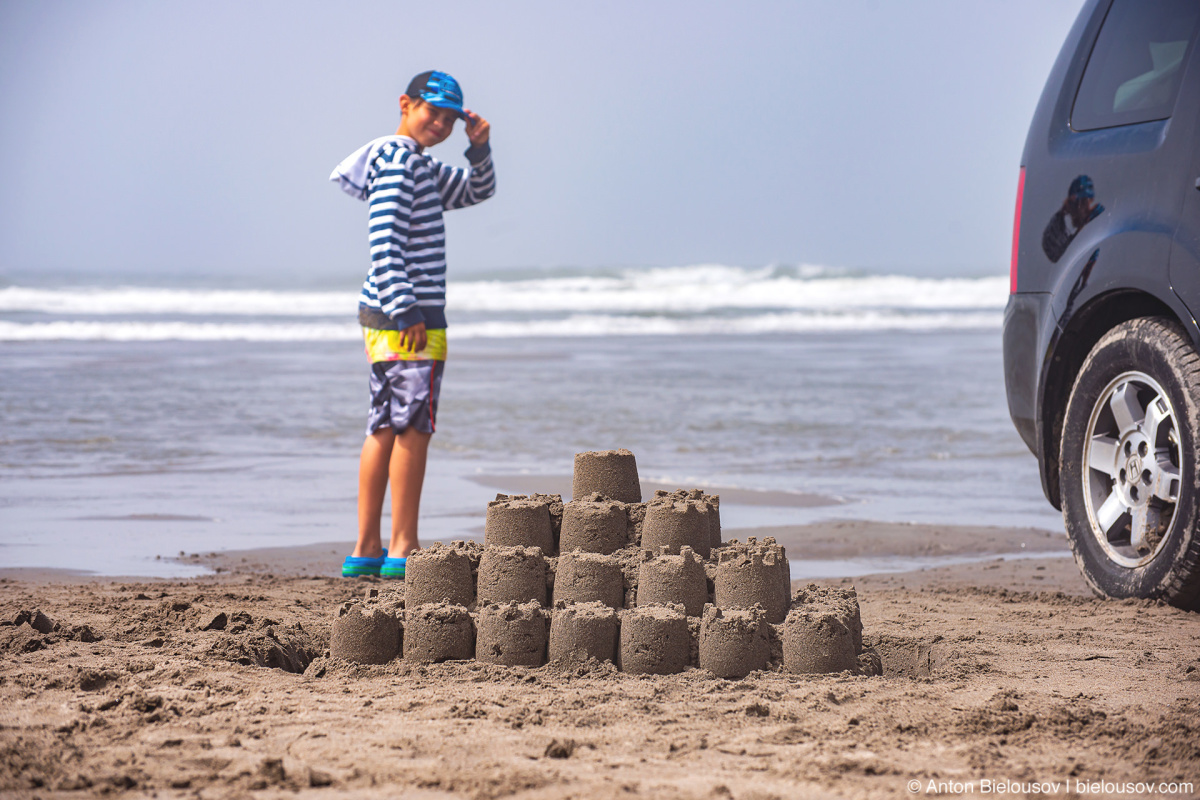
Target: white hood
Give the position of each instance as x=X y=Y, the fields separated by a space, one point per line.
x=351 y=173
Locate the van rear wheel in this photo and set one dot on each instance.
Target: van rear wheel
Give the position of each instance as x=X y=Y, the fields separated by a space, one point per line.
x=1129 y=464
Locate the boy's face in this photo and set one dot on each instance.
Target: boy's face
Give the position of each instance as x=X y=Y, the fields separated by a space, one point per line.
x=427 y=124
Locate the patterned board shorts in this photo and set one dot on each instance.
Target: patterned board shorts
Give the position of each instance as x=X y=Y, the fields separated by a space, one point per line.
x=404 y=393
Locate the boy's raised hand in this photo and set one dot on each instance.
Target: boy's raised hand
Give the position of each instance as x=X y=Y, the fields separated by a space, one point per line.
x=478 y=128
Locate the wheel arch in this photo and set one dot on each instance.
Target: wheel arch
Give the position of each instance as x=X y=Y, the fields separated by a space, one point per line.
x=1067 y=350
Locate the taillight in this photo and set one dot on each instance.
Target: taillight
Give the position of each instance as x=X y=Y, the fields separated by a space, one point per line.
x=1012 y=270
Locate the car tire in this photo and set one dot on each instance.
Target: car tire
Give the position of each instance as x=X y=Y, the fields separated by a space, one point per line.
x=1130 y=466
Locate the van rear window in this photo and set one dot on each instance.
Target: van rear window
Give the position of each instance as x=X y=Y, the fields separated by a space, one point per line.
x=1137 y=63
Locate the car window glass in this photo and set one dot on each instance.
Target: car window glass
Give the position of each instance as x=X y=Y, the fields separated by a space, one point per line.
x=1136 y=65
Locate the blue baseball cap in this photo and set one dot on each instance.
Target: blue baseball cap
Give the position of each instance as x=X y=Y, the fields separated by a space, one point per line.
x=437 y=89
x=1082 y=188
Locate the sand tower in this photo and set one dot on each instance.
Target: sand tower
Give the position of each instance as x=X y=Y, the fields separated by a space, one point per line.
x=519 y=523
x=513 y=634
x=753 y=573
x=612 y=473
x=439 y=573
x=599 y=526
x=674 y=523
x=666 y=579
x=512 y=574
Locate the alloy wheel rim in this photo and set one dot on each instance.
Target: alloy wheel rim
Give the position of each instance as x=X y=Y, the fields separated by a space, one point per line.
x=1131 y=473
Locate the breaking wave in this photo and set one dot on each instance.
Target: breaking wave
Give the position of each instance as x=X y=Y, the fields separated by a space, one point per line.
x=668 y=301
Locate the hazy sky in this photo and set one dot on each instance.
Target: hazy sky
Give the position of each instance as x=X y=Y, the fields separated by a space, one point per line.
x=147 y=139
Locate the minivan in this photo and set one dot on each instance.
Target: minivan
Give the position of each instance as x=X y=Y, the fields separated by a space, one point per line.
x=1100 y=336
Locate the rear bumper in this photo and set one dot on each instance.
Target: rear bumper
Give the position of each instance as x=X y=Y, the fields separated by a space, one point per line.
x=1023 y=354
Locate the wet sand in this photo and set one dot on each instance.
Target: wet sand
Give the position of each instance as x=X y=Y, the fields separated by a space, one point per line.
x=995 y=670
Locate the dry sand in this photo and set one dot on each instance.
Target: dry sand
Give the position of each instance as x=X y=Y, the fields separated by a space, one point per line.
x=994 y=671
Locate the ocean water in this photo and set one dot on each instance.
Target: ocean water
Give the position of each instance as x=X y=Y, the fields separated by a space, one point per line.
x=137 y=422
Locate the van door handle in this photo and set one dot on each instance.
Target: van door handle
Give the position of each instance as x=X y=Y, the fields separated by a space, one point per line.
x=1198 y=183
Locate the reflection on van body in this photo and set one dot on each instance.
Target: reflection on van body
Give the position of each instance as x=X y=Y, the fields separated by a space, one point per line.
x=1077 y=210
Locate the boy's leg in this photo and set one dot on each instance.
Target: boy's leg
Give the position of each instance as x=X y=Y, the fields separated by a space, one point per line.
x=372 y=486
x=408 y=457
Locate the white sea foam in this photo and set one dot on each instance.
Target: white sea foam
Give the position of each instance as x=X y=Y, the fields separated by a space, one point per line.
x=712 y=288
x=574 y=325
x=693 y=289
x=603 y=325
x=694 y=300
x=207 y=302
x=176 y=331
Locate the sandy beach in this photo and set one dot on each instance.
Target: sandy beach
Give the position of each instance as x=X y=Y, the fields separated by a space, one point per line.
x=831 y=570
x=999 y=673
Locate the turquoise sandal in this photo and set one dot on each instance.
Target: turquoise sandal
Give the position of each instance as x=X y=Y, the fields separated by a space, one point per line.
x=357 y=566
x=393 y=568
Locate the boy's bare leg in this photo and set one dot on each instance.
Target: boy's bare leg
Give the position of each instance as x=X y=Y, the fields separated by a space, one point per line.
x=372 y=486
x=408 y=476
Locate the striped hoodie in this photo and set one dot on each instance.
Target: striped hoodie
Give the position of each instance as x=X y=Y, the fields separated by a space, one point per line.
x=408 y=191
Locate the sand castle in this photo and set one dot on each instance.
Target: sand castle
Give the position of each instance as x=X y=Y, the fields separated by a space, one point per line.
x=647 y=585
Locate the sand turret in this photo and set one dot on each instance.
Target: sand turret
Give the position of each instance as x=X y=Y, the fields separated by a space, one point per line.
x=586 y=630
x=512 y=574
x=519 y=523
x=439 y=573
x=612 y=473
x=667 y=578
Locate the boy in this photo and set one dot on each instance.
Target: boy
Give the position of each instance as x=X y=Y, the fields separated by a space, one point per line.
x=402 y=304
